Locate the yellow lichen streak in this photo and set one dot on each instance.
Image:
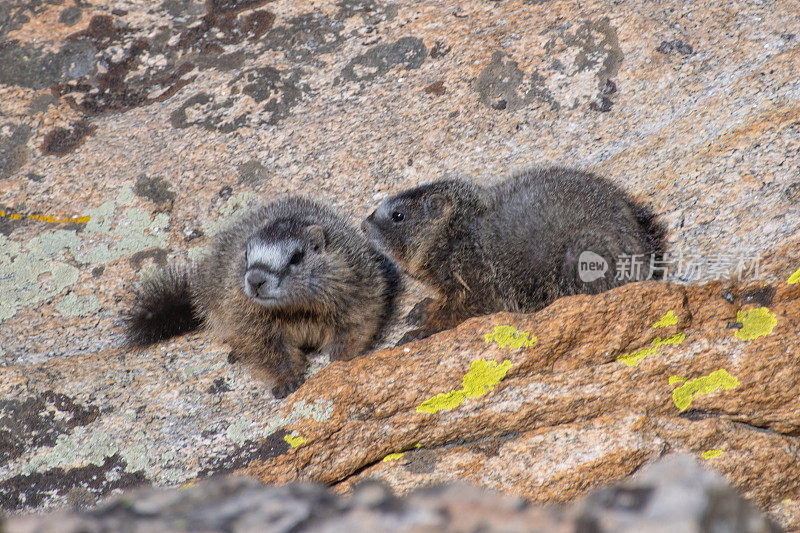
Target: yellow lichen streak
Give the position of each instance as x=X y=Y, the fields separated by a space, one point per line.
x=482 y=377
x=711 y=454
x=445 y=400
x=672 y=339
x=755 y=323
x=393 y=456
x=667 y=320
x=718 y=379
x=634 y=358
x=295 y=441
x=46 y=218
x=673 y=380
x=508 y=336
x=794 y=278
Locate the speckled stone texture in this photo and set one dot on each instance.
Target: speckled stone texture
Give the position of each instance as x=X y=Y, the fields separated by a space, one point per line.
x=582 y=393
x=131 y=130
x=673 y=495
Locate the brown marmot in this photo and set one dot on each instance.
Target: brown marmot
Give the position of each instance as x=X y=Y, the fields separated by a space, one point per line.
x=517 y=245
x=285 y=280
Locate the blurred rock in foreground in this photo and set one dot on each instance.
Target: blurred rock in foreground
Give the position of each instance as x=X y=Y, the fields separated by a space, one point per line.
x=673 y=494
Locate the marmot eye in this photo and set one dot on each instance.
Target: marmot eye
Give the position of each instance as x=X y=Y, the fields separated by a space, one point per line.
x=397 y=216
x=296 y=258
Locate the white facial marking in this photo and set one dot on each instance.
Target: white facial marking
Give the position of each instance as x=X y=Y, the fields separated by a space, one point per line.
x=383 y=210
x=270 y=255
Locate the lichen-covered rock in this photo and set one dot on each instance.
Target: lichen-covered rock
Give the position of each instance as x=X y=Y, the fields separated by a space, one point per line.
x=672 y=495
x=544 y=406
x=130 y=131
x=572 y=410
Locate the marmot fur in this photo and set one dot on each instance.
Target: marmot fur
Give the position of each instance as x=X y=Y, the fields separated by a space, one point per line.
x=285 y=280
x=514 y=246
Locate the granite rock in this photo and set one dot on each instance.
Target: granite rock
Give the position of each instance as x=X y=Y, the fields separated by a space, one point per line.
x=544 y=406
x=692 y=108
x=130 y=131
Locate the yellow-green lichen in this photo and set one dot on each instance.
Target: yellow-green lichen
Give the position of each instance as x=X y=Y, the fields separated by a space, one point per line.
x=634 y=358
x=676 y=379
x=686 y=393
x=508 y=336
x=672 y=339
x=794 y=278
x=445 y=400
x=482 y=377
x=295 y=441
x=393 y=456
x=755 y=323
x=667 y=320
x=397 y=455
x=711 y=454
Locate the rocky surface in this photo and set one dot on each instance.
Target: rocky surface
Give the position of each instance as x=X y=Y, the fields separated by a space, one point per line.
x=672 y=495
x=130 y=130
x=544 y=406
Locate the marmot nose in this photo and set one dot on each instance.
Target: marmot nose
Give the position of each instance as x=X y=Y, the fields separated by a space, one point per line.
x=255 y=280
x=365 y=225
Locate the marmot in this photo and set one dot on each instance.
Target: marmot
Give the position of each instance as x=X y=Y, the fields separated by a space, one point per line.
x=514 y=246
x=287 y=279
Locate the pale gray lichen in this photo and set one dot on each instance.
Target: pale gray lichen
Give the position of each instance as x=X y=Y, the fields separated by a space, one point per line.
x=75 y=305
x=131 y=231
x=113 y=231
x=320 y=411
x=136 y=458
x=237 y=203
x=21 y=271
x=81 y=447
x=238 y=430
x=191 y=370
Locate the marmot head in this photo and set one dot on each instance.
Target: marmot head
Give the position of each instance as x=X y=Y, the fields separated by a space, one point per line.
x=406 y=226
x=285 y=265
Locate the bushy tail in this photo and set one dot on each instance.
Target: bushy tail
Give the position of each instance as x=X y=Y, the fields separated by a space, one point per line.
x=656 y=235
x=163 y=307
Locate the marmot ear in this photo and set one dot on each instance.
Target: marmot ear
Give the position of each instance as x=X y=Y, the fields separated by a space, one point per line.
x=438 y=205
x=317 y=236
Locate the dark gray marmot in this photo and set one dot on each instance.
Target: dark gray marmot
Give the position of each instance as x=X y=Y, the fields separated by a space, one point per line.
x=287 y=279
x=514 y=246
